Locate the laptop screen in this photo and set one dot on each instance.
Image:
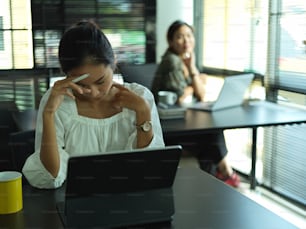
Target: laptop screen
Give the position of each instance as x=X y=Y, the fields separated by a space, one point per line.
x=122 y=171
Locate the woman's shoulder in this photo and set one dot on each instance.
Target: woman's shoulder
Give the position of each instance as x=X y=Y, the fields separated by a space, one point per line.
x=171 y=60
x=171 y=56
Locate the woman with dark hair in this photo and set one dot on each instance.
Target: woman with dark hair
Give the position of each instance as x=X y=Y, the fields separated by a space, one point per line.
x=88 y=113
x=177 y=72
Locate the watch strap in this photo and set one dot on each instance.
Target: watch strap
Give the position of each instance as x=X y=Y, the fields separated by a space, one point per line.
x=144 y=125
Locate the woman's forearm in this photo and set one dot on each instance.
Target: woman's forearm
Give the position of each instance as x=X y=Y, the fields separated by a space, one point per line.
x=142 y=115
x=197 y=82
x=199 y=87
x=49 y=154
x=188 y=91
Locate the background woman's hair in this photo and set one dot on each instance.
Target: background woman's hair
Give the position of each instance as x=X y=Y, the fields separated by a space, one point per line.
x=174 y=27
x=84 y=43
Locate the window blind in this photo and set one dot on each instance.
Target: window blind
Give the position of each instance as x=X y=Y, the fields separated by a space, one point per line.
x=123 y=22
x=234 y=35
x=284 y=156
x=15 y=35
x=30 y=31
x=21 y=91
x=284 y=161
x=272 y=35
x=25 y=91
x=1 y=34
x=286 y=69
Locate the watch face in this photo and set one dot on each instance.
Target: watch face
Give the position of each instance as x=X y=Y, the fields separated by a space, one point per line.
x=146 y=126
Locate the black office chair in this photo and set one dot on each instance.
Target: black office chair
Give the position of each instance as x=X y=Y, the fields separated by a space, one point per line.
x=7 y=126
x=22 y=146
x=26 y=119
x=138 y=73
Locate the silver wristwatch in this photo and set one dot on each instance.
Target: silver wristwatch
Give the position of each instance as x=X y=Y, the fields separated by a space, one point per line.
x=146 y=126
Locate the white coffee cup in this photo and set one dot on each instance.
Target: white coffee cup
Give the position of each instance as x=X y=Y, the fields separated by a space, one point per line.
x=167 y=97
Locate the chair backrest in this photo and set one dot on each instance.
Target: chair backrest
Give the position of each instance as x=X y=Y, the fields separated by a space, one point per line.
x=22 y=146
x=140 y=73
x=8 y=105
x=7 y=126
x=6 y=118
x=25 y=120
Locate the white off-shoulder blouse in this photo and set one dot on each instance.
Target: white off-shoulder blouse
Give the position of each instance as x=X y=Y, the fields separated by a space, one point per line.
x=79 y=135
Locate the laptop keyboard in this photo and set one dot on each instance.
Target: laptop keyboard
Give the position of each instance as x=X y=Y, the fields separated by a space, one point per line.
x=204 y=104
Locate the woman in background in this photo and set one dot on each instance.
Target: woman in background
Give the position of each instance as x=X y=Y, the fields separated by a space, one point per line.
x=89 y=115
x=177 y=72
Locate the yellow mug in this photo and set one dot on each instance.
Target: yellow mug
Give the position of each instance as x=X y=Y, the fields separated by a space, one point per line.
x=10 y=192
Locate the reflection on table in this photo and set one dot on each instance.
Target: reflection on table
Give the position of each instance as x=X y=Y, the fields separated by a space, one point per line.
x=201 y=201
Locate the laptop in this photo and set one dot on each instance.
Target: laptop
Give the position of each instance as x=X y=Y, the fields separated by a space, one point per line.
x=121 y=188
x=231 y=95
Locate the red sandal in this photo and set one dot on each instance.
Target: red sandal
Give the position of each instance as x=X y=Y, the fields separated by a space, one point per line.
x=232 y=180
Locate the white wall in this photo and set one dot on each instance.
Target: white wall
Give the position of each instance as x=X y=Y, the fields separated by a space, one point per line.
x=167 y=12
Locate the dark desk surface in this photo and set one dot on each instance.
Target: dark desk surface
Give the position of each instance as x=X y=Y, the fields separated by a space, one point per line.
x=252 y=114
x=201 y=201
